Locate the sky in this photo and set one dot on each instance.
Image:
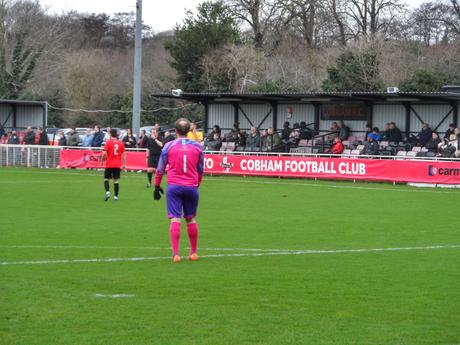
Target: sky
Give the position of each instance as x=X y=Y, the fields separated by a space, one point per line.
x=160 y=15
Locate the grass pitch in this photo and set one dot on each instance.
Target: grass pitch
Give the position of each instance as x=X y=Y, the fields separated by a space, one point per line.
x=258 y=285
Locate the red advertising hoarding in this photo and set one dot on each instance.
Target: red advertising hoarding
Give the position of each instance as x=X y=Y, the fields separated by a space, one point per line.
x=417 y=171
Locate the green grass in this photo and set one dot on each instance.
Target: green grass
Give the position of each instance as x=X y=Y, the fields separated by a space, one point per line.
x=387 y=297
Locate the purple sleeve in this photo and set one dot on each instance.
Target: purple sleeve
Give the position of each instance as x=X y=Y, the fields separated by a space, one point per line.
x=161 y=167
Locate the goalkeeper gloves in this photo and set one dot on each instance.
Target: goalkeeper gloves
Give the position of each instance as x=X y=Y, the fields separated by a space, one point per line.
x=157 y=193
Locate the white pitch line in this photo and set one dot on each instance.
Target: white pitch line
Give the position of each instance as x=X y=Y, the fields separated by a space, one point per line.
x=298 y=252
x=118 y=295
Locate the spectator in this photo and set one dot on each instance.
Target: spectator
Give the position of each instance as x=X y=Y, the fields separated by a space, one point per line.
x=263 y=138
x=107 y=134
x=393 y=133
x=215 y=130
x=168 y=137
x=368 y=131
x=338 y=147
x=375 y=135
x=253 y=140
x=286 y=132
x=334 y=131
x=273 y=140
x=42 y=137
x=294 y=137
x=61 y=139
x=385 y=132
x=232 y=136
x=142 y=142
x=157 y=127
x=87 y=139
x=372 y=145
x=73 y=138
x=2 y=131
x=194 y=134
x=29 y=138
x=4 y=138
x=214 y=144
x=433 y=144
x=450 y=133
x=424 y=135
x=129 y=140
x=242 y=137
x=344 y=132
x=305 y=132
x=13 y=139
x=98 y=137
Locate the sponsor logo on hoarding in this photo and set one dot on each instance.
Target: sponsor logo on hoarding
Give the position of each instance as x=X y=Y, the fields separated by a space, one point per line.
x=433 y=171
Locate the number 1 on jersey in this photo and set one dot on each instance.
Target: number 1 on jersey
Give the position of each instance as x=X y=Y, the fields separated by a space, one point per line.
x=185 y=163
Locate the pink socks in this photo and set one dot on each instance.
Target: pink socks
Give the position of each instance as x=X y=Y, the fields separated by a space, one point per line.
x=192 y=230
x=174 y=231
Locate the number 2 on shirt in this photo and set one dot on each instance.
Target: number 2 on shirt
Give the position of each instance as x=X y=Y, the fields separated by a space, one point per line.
x=115 y=149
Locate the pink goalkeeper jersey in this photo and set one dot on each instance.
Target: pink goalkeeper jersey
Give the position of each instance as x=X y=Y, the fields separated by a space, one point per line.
x=185 y=160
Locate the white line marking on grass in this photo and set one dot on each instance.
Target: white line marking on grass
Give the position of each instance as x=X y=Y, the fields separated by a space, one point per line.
x=119 y=295
x=293 y=252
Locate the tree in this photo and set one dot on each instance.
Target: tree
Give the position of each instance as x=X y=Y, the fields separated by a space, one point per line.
x=213 y=28
x=425 y=80
x=354 y=72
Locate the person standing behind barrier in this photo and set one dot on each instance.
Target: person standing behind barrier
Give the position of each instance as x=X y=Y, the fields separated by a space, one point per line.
x=142 y=142
x=88 y=138
x=193 y=134
x=62 y=140
x=129 y=140
x=74 y=138
x=273 y=141
x=154 y=146
x=98 y=137
x=29 y=138
x=168 y=137
x=13 y=139
x=253 y=140
x=344 y=132
x=43 y=140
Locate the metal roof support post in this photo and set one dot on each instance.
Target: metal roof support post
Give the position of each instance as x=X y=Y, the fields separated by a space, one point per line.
x=370 y=114
x=317 y=112
x=274 y=106
x=45 y=115
x=455 y=113
x=236 y=115
x=408 y=112
x=206 y=117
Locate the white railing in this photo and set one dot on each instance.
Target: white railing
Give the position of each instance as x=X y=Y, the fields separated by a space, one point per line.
x=37 y=156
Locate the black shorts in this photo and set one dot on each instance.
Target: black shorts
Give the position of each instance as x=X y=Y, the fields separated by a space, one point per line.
x=112 y=173
x=153 y=161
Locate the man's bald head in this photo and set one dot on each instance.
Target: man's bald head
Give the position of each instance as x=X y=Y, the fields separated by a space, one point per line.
x=182 y=126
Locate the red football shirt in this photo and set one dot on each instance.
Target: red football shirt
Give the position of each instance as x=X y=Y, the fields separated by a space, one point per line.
x=114 y=149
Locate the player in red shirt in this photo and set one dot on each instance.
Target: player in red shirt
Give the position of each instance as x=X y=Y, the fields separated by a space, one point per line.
x=114 y=156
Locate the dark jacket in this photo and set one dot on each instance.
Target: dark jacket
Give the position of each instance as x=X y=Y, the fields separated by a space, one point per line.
x=13 y=140
x=97 y=139
x=344 y=133
x=62 y=141
x=393 y=135
x=432 y=145
x=168 y=139
x=142 y=143
x=29 y=139
x=153 y=147
x=43 y=140
x=129 y=141
x=424 y=135
x=253 y=141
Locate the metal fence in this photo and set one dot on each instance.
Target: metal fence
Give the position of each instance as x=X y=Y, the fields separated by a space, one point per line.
x=37 y=156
